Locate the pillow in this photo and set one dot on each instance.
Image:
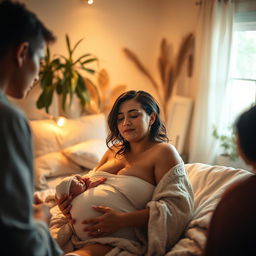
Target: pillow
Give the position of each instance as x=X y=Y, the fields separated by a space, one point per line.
x=88 y=153
x=84 y=128
x=52 y=165
x=46 y=135
x=49 y=137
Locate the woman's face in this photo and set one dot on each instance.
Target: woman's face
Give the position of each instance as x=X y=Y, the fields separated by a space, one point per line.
x=77 y=186
x=133 y=122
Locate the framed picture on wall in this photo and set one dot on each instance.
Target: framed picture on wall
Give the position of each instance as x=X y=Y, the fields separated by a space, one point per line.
x=180 y=109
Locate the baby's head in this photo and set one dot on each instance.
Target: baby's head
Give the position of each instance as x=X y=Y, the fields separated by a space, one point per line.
x=72 y=185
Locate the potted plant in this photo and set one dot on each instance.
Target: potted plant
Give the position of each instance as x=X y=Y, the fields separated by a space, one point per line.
x=227 y=143
x=63 y=76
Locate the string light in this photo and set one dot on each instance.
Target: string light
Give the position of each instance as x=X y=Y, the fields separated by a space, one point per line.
x=60 y=121
x=90 y=1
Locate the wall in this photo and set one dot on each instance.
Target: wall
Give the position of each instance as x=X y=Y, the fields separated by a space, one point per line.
x=108 y=26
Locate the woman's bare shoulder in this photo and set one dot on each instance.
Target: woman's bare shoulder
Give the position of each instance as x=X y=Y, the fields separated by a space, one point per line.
x=166 y=149
x=165 y=157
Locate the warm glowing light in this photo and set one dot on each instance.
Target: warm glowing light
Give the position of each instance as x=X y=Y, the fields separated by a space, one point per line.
x=90 y=1
x=60 y=121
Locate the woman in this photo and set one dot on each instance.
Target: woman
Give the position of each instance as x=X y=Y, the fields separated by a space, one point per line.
x=233 y=225
x=138 y=146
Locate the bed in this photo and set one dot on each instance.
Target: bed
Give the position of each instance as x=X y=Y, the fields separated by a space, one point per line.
x=77 y=146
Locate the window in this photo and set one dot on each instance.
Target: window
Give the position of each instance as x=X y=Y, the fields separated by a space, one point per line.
x=242 y=82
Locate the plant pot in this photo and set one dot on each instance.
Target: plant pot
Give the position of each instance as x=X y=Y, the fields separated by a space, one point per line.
x=73 y=110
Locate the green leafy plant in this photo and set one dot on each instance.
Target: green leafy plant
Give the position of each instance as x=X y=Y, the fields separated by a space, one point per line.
x=63 y=75
x=227 y=143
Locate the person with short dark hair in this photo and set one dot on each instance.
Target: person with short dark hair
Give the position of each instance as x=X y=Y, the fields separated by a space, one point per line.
x=233 y=225
x=23 y=225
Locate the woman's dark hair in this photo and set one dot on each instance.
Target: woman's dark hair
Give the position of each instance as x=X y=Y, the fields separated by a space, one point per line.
x=149 y=104
x=17 y=25
x=246 y=131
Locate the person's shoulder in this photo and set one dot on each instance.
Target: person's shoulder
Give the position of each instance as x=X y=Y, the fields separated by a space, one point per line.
x=238 y=201
x=165 y=149
x=243 y=188
x=166 y=154
x=165 y=157
x=13 y=120
x=9 y=111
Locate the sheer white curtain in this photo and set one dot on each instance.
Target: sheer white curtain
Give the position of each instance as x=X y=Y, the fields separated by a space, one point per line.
x=213 y=49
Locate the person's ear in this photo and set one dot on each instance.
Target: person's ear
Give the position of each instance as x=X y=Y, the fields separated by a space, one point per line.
x=152 y=118
x=21 y=53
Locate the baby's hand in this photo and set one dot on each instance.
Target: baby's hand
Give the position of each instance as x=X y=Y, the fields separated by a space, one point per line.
x=92 y=184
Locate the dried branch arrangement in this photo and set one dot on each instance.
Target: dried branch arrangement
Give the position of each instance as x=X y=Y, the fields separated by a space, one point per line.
x=169 y=70
x=103 y=95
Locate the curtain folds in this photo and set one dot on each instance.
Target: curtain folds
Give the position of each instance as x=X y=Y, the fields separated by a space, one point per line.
x=213 y=49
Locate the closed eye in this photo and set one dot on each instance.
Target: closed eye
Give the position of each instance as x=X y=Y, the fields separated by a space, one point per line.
x=120 y=119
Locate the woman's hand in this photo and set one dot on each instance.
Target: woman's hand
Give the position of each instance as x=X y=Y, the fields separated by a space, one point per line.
x=106 y=224
x=65 y=206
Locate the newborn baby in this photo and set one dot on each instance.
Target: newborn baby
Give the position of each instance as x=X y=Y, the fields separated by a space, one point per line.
x=75 y=185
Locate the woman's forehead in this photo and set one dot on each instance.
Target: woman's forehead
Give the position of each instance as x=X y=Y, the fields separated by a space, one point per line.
x=129 y=105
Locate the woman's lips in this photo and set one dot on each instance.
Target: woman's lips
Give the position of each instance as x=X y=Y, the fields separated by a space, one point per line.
x=128 y=130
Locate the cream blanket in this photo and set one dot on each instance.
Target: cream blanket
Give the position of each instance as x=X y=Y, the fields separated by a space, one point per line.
x=208 y=182
x=171 y=208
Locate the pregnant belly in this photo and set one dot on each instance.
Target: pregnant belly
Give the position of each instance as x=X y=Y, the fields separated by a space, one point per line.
x=102 y=195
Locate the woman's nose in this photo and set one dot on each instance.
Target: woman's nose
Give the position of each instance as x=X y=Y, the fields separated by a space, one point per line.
x=126 y=121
